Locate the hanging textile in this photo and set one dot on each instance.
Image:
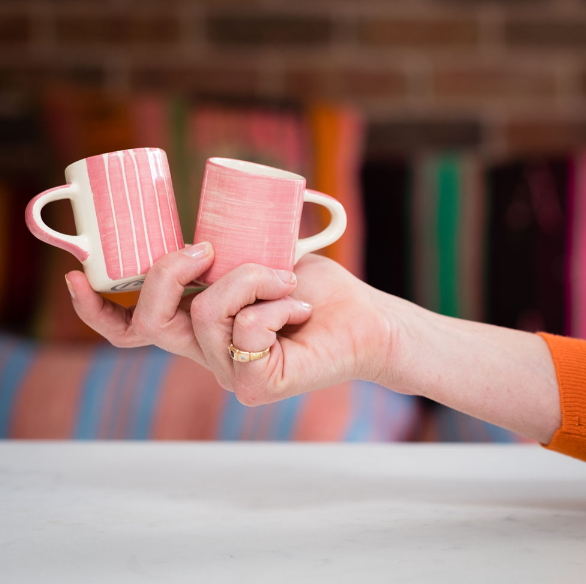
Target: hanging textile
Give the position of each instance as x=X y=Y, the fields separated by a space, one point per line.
x=527 y=245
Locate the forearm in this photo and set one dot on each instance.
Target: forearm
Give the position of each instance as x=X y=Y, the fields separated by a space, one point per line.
x=502 y=376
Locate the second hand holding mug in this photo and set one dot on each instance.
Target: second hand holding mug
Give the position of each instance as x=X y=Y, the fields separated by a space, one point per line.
x=125 y=216
x=250 y=213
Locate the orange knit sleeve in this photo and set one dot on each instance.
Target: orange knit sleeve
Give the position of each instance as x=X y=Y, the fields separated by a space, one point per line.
x=569 y=358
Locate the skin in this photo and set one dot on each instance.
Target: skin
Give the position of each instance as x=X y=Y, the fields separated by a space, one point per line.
x=324 y=327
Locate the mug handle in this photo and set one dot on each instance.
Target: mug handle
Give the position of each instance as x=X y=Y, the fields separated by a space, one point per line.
x=331 y=233
x=75 y=244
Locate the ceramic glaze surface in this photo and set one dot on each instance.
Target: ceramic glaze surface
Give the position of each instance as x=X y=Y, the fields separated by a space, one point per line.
x=248 y=218
x=56 y=193
x=135 y=209
x=125 y=216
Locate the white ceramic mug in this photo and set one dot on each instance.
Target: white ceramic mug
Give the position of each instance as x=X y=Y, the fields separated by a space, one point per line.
x=125 y=216
x=250 y=213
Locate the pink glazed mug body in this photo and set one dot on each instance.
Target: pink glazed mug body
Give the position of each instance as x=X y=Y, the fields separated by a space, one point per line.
x=250 y=213
x=125 y=216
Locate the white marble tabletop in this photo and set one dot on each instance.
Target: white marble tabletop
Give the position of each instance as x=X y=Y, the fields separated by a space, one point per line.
x=282 y=513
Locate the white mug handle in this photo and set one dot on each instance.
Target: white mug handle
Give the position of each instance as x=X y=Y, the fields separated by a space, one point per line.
x=331 y=233
x=75 y=244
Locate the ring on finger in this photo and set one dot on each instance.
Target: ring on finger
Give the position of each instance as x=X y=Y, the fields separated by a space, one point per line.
x=245 y=356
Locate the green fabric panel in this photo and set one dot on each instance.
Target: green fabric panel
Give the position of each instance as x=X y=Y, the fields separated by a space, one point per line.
x=448 y=214
x=180 y=166
x=429 y=234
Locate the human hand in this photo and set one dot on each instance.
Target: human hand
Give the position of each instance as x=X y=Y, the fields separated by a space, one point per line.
x=342 y=335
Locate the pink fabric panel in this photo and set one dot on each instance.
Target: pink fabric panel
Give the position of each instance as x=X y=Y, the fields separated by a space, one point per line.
x=123 y=216
x=192 y=414
x=135 y=198
x=151 y=207
x=248 y=219
x=108 y=229
x=578 y=248
x=48 y=399
x=326 y=414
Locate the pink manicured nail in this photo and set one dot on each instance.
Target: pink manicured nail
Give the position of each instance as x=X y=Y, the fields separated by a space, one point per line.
x=287 y=276
x=70 y=287
x=199 y=250
x=305 y=305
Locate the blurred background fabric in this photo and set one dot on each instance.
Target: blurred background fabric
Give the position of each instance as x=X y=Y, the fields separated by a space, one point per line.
x=452 y=132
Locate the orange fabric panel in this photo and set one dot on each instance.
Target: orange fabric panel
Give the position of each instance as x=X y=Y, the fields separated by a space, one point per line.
x=338 y=135
x=569 y=357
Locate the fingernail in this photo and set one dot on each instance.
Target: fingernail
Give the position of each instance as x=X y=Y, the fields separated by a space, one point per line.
x=199 y=250
x=287 y=276
x=70 y=287
x=305 y=305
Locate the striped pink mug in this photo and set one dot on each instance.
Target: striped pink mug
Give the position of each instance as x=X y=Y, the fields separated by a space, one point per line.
x=125 y=216
x=250 y=213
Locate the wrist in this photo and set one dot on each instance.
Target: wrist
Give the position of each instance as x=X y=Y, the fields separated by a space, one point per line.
x=401 y=335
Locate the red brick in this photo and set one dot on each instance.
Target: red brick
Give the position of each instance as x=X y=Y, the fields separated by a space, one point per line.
x=345 y=83
x=14 y=28
x=415 y=33
x=32 y=77
x=20 y=78
x=370 y=83
x=203 y=79
x=121 y=29
x=493 y=82
x=544 y=136
x=546 y=33
x=412 y=135
x=267 y=29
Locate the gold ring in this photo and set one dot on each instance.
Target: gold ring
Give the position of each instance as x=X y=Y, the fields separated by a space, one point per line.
x=244 y=356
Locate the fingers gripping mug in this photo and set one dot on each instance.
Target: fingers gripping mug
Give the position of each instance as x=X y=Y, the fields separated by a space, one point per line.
x=125 y=216
x=250 y=213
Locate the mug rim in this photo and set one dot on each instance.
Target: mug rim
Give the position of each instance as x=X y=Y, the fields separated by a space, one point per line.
x=248 y=167
x=115 y=152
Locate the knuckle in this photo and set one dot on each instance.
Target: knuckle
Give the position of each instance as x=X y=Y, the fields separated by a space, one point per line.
x=250 y=394
x=121 y=342
x=160 y=270
x=246 y=397
x=253 y=272
x=201 y=309
x=224 y=382
x=246 y=319
x=142 y=325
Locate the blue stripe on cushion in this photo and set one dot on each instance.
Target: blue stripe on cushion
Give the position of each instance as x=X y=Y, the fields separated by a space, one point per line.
x=283 y=416
x=232 y=422
x=125 y=362
x=288 y=410
x=146 y=393
x=94 y=391
x=17 y=362
x=361 y=422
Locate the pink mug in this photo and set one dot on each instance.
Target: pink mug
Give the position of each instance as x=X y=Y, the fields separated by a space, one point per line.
x=250 y=213
x=125 y=216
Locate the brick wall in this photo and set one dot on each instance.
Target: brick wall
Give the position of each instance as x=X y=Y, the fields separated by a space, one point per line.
x=505 y=76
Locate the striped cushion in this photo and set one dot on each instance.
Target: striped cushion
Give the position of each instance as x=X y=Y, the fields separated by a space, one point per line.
x=99 y=392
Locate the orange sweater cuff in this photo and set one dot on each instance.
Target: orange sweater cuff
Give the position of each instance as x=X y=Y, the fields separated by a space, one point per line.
x=569 y=358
